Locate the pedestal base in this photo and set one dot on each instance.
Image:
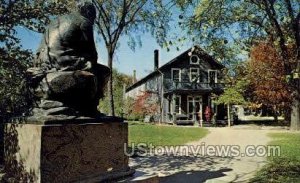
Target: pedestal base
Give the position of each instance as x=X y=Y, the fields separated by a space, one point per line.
x=66 y=152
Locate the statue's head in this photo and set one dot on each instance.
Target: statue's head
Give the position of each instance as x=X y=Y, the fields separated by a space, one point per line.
x=87 y=9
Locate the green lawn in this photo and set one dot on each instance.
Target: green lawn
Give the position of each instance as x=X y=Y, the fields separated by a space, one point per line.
x=285 y=168
x=163 y=135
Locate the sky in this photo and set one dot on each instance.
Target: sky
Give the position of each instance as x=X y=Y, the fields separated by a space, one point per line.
x=125 y=60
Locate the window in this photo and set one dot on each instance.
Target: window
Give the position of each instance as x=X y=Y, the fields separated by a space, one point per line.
x=177 y=104
x=194 y=105
x=194 y=75
x=212 y=76
x=169 y=105
x=194 y=59
x=176 y=75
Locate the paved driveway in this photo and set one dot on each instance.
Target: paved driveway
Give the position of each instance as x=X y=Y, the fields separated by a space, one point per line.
x=209 y=165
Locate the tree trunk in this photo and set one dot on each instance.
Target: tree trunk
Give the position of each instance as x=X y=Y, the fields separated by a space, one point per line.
x=110 y=85
x=228 y=115
x=275 y=115
x=295 y=116
x=275 y=118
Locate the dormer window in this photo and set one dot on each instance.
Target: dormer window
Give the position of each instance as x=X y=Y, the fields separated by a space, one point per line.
x=194 y=60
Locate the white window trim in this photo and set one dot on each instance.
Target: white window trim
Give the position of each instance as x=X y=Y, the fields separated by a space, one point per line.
x=173 y=104
x=198 y=60
x=216 y=75
x=194 y=102
x=177 y=69
x=198 y=72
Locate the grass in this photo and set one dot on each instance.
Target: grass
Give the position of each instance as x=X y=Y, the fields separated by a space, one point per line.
x=286 y=167
x=163 y=135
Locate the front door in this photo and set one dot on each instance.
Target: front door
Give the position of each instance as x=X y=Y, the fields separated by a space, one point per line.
x=194 y=106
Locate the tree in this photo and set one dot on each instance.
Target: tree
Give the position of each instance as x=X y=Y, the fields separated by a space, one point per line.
x=244 y=22
x=15 y=98
x=266 y=73
x=145 y=104
x=236 y=89
x=14 y=60
x=33 y=15
x=120 y=81
x=129 y=17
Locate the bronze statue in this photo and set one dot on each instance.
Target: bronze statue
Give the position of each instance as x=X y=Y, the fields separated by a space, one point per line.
x=66 y=78
x=68 y=43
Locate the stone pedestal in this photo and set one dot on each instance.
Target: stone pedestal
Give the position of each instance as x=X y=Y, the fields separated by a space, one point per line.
x=75 y=152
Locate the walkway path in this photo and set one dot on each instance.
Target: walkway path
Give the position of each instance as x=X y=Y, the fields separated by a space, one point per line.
x=212 y=167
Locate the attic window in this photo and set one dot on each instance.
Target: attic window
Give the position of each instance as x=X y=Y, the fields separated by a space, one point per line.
x=194 y=59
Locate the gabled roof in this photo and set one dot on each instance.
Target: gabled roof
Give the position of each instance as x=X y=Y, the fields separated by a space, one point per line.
x=152 y=74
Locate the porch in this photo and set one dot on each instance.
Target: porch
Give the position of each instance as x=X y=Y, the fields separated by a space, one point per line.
x=192 y=108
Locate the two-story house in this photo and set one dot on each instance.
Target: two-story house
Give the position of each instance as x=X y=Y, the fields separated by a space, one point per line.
x=184 y=85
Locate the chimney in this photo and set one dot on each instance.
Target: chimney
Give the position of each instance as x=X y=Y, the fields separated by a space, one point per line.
x=156 y=60
x=134 y=77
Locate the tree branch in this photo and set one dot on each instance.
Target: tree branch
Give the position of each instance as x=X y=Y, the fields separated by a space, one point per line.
x=269 y=8
x=121 y=24
x=102 y=33
x=131 y=19
x=105 y=20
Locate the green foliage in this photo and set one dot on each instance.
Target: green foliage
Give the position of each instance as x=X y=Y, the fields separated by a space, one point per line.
x=130 y=18
x=286 y=167
x=231 y=96
x=122 y=105
x=237 y=86
x=163 y=135
x=33 y=15
x=14 y=60
x=228 y=28
x=14 y=93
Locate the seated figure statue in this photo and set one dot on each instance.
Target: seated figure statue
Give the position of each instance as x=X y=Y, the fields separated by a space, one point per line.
x=66 y=79
x=68 y=43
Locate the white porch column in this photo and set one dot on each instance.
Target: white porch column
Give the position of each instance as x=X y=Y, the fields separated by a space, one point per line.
x=228 y=114
x=201 y=115
x=173 y=106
